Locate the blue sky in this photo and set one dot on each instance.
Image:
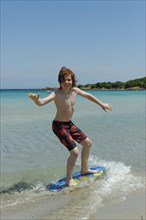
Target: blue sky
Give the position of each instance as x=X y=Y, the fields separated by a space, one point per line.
x=98 y=40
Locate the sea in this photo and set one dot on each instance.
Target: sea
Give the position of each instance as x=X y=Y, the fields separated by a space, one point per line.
x=32 y=157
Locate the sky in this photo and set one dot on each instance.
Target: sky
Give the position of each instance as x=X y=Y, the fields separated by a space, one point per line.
x=98 y=40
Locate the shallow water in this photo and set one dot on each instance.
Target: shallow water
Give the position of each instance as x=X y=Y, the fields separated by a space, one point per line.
x=32 y=157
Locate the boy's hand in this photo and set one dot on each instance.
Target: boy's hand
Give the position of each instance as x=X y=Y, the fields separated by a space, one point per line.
x=33 y=96
x=106 y=107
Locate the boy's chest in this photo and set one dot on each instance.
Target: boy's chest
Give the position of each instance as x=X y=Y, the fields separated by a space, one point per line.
x=67 y=99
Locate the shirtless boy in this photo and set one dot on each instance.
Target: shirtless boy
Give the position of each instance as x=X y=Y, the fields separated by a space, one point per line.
x=62 y=125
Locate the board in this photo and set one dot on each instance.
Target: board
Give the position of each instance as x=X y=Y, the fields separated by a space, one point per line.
x=59 y=185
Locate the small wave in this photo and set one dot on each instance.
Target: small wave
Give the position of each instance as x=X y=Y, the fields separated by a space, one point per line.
x=18 y=187
x=118 y=182
x=24 y=186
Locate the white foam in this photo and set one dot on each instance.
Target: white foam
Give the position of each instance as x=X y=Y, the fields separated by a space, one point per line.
x=118 y=182
x=114 y=186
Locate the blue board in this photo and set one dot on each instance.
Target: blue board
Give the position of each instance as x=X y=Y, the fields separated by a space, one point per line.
x=59 y=185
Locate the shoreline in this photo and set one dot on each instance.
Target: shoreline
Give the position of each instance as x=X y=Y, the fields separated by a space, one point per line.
x=94 y=89
x=132 y=208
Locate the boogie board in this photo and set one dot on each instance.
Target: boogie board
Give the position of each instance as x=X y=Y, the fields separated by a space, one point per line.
x=59 y=185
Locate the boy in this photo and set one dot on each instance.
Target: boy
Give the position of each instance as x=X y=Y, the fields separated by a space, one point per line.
x=62 y=125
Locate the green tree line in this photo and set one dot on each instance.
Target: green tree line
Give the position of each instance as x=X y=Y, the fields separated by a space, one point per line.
x=139 y=83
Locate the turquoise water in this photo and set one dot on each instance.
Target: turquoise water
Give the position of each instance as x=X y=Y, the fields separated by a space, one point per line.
x=32 y=156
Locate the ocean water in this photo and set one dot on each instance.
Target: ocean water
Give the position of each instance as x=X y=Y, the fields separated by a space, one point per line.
x=32 y=157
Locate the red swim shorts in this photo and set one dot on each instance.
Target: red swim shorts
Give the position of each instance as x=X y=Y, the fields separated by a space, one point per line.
x=67 y=132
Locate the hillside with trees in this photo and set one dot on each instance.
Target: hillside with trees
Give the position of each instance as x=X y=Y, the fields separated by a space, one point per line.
x=136 y=84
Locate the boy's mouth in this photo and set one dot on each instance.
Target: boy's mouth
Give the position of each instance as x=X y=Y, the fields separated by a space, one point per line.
x=67 y=85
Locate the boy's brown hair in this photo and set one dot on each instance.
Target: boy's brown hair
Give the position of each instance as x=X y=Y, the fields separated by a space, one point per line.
x=65 y=72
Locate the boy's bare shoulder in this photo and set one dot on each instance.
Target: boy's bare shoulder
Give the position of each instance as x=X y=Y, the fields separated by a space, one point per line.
x=75 y=89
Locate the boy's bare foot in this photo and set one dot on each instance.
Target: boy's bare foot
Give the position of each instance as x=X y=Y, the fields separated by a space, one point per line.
x=70 y=183
x=89 y=171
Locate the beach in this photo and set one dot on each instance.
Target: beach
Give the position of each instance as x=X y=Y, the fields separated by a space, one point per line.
x=132 y=208
x=32 y=158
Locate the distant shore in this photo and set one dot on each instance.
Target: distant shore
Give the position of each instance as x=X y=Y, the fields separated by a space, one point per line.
x=48 y=89
x=89 y=88
x=136 y=84
x=130 y=88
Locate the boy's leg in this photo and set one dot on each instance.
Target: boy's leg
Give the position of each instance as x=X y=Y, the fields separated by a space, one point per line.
x=70 y=165
x=85 y=155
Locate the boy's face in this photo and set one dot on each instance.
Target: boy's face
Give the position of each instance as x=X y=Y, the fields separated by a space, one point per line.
x=66 y=82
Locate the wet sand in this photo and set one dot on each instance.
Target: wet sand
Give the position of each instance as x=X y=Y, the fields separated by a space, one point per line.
x=133 y=208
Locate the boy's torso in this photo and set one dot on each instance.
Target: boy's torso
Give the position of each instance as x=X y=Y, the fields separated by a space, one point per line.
x=65 y=104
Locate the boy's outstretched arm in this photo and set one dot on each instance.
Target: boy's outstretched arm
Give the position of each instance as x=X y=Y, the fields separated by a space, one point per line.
x=104 y=106
x=40 y=102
